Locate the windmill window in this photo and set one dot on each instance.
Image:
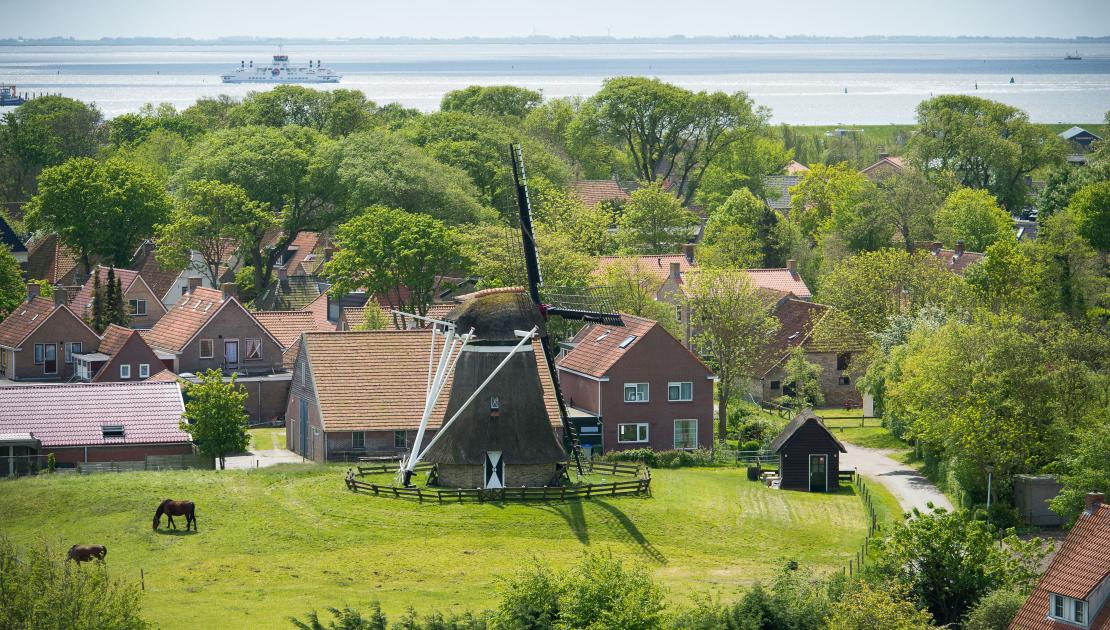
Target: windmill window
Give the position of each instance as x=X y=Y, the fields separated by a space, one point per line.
x=627 y=341
x=111 y=431
x=680 y=392
x=636 y=393
x=632 y=432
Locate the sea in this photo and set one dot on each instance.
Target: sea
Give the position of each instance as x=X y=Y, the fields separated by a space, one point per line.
x=800 y=82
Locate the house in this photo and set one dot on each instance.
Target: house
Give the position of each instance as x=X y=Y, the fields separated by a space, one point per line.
x=776 y=190
x=641 y=384
x=11 y=240
x=593 y=192
x=1080 y=137
x=1025 y=230
x=143 y=304
x=123 y=355
x=830 y=346
x=307 y=254
x=91 y=422
x=287 y=326
x=208 y=330
x=49 y=260
x=40 y=337
x=289 y=293
x=955 y=260
x=1074 y=591
x=796 y=168
x=809 y=455
x=170 y=285
x=886 y=166
x=363 y=393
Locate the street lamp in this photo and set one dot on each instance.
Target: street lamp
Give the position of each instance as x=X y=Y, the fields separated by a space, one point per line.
x=990 y=470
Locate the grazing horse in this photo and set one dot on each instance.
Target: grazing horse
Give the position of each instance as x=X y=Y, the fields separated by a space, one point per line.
x=173 y=508
x=85 y=553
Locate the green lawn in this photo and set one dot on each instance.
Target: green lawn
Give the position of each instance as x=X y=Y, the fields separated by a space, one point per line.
x=281 y=541
x=267 y=438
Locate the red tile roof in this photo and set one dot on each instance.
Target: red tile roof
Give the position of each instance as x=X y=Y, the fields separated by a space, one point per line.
x=356 y=315
x=159 y=278
x=301 y=248
x=113 y=339
x=956 y=263
x=1082 y=563
x=287 y=326
x=84 y=297
x=376 y=380
x=599 y=348
x=319 y=310
x=886 y=165
x=780 y=280
x=23 y=320
x=162 y=376
x=73 y=414
x=47 y=260
x=796 y=168
x=660 y=266
x=182 y=322
x=594 y=191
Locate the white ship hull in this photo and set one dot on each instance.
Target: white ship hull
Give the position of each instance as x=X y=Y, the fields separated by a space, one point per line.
x=281 y=72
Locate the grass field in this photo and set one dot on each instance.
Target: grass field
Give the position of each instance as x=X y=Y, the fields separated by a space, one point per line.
x=281 y=541
x=267 y=438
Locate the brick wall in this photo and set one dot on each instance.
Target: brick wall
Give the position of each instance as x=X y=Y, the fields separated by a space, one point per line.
x=61 y=327
x=116 y=453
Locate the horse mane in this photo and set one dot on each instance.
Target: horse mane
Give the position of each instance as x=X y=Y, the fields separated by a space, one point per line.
x=161 y=508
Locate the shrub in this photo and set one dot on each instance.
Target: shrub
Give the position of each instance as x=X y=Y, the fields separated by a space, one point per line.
x=794 y=600
x=39 y=589
x=994 y=611
x=753 y=445
x=665 y=459
x=51 y=462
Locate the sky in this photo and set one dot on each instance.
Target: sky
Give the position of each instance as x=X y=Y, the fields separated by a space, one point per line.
x=91 y=19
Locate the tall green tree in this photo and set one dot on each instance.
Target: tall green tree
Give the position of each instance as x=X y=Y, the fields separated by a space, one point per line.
x=13 y=291
x=393 y=254
x=104 y=209
x=492 y=100
x=654 y=222
x=1091 y=205
x=834 y=197
x=985 y=144
x=1086 y=464
x=108 y=305
x=803 y=378
x=912 y=202
x=336 y=113
x=633 y=286
x=44 y=132
x=734 y=325
x=972 y=216
x=754 y=155
x=215 y=415
x=745 y=233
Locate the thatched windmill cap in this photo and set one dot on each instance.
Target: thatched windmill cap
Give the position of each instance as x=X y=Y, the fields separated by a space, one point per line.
x=496 y=314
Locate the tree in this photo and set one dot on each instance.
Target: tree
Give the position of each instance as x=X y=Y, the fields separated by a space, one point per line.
x=211 y=219
x=948 y=561
x=742 y=233
x=98 y=319
x=995 y=610
x=393 y=254
x=99 y=208
x=912 y=201
x=491 y=252
x=13 y=291
x=1006 y=278
x=43 y=132
x=1086 y=465
x=560 y=211
x=654 y=222
x=336 y=112
x=870 y=608
x=839 y=203
x=107 y=303
x=1091 y=205
x=1064 y=181
x=972 y=216
x=633 y=287
x=40 y=589
x=493 y=100
x=215 y=415
x=754 y=155
x=734 y=325
x=985 y=144
x=1068 y=273
x=372 y=319
x=804 y=379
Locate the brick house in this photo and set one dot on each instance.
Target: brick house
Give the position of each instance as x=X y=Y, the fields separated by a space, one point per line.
x=49 y=260
x=1074 y=591
x=123 y=355
x=363 y=393
x=646 y=388
x=955 y=260
x=830 y=346
x=93 y=422
x=143 y=304
x=593 y=192
x=886 y=166
x=208 y=330
x=40 y=337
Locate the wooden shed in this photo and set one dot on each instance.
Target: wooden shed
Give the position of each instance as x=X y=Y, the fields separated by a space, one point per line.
x=809 y=455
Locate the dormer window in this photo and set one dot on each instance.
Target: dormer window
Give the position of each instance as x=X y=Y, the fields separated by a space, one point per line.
x=1068 y=609
x=111 y=431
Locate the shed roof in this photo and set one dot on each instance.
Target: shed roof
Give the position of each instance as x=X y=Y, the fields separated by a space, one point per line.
x=1081 y=564
x=805 y=417
x=74 y=414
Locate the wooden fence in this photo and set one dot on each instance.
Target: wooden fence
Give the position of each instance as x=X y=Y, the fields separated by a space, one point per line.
x=639 y=483
x=855 y=565
x=152 y=462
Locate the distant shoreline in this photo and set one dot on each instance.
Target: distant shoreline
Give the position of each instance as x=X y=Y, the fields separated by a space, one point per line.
x=538 y=39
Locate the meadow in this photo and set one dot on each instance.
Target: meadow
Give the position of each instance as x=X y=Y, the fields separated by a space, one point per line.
x=282 y=541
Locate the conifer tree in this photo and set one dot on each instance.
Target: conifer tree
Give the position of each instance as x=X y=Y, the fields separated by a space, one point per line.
x=116 y=312
x=96 y=320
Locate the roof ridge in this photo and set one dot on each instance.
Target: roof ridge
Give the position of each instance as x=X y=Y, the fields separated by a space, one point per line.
x=77 y=385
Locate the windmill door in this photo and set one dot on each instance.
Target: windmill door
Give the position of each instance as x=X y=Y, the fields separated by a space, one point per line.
x=494 y=470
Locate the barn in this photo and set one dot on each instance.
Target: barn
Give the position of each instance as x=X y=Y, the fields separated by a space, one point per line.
x=809 y=455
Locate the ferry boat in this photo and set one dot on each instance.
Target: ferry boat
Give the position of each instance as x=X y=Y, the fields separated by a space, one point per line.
x=9 y=97
x=1075 y=57
x=280 y=71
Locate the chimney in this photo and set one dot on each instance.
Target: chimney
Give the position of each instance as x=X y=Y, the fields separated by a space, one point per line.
x=688 y=250
x=33 y=289
x=1093 y=500
x=61 y=296
x=935 y=246
x=792 y=267
x=282 y=275
x=959 y=248
x=230 y=290
x=675 y=271
x=195 y=283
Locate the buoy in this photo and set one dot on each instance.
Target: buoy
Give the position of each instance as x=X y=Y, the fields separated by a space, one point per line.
x=1011 y=79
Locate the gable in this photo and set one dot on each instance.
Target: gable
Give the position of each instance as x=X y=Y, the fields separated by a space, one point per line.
x=135 y=352
x=232 y=321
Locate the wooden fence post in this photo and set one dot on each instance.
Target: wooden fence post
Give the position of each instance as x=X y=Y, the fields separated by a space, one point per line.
x=142 y=578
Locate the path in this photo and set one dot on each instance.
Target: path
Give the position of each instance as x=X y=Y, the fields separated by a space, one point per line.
x=264 y=459
x=908 y=486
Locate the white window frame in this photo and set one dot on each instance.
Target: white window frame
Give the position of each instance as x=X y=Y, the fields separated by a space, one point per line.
x=125 y=370
x=636 y=393
x=358 y=440
x=641 y=427
x=1070 y=606
x=72 y=348
x=257 y=342
x=211 y=348
x=674 y=434
x=133 y=307
x=144 y=370
x=679 y=385
x=40 y=353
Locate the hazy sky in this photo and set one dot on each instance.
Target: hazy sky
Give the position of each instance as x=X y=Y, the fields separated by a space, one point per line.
x=625 y=18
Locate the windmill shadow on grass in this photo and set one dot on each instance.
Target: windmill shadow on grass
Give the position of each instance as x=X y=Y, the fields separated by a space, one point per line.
x=572 y=513
x=626 y=531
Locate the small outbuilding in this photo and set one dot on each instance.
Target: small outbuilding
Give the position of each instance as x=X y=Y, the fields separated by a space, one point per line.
x=809 y=455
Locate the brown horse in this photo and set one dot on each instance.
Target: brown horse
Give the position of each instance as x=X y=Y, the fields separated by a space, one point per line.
x=85 y=553
x=173 y=508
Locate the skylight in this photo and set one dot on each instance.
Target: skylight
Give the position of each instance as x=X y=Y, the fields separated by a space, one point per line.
x=793 y=336
x=604 y=335
x=627 y=340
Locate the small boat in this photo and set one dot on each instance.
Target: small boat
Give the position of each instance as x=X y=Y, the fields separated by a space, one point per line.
x=1074 y=57
x=9 y=97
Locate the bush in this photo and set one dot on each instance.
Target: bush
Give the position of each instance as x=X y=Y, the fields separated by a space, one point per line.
x=795 y=600
x=665 y=459
x=994 y=611
x=351 y=619
x=39 y=589
x=754 y=445
x=51 y=462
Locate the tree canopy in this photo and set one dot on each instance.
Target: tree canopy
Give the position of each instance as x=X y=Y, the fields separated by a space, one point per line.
x=973 y=217
x=44 y=132
x=215 y=416
x=492 y=100
x=654 y=222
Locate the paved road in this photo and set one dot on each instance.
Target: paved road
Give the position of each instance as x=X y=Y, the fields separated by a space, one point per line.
x=906 y=484
x=264 y=459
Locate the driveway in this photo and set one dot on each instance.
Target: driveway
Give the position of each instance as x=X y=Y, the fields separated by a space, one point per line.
x=264 y=459
x=908 y=486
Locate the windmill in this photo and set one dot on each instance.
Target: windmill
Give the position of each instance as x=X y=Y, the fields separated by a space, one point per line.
x=498 y=427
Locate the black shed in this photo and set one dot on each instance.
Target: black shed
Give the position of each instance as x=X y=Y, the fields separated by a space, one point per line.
x=809 y=455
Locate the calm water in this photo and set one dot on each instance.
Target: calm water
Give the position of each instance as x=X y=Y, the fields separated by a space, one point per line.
x=801 y=83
